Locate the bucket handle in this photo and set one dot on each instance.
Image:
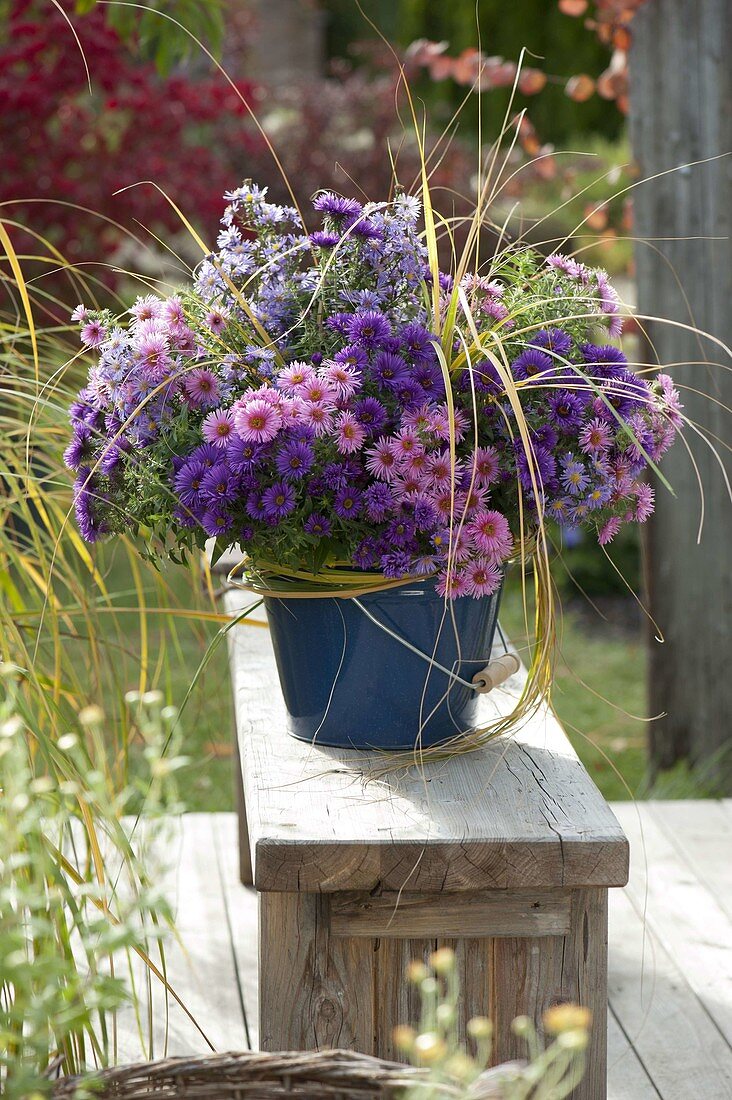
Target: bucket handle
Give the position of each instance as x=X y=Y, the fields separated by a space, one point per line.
x=492 y=676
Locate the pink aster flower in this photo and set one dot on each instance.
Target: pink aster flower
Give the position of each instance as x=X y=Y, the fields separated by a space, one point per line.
x=152 y=352
x=217 y=319
x=317 y=390
x=80 y=314
x=349 y=433
x=405 y=444
x=93 y=334
x=452 y=583
x=671 y=402
x=609 y=530
x=173 y=313
x=292 y=377
x=440 y=470
x=566 y=264
x=318 y=415
x=147 y=308
x=201 y=387
x=218 y=427
x=486 y=464
x=595 y=437
x=644 y=503
x=441 y=423
x=483 y=578
x=410 y=486
x=256 y=420
x=491 y=534
x=344 y=380
x=418 y=464
x=292 y=410
x=420 y=419
x=380 y=460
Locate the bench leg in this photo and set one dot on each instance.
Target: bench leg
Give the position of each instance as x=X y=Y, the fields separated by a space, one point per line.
x=315 y=990
x=245 y=857
x=530 y=975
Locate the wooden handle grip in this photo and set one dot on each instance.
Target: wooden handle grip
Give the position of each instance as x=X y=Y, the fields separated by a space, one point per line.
x=496 y=672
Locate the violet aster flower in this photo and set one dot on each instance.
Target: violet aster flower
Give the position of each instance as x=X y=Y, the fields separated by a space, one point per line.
x=218 y=427
x=317 y=524
x=389 y=369
x=336 y=206
x=188 y=482
x=219 y=483
x=294 y=460
x=217 y=520
x=352 y=356
x=553 y=339
x=369 y=328
x=531 y=364
x=347 y=503
x=379 y=501
x=396 y=565
x=566 y=410
x=371 y=414
x=81 y=448
x=278 y=500
x=324 y=240
x=417 y=343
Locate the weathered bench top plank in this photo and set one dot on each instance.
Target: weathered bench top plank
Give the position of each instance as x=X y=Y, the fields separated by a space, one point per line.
x=520 y=812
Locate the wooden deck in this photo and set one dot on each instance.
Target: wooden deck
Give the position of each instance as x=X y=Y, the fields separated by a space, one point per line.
x=670 y=950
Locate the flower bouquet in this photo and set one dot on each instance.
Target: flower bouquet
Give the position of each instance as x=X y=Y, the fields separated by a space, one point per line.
x=379 y=436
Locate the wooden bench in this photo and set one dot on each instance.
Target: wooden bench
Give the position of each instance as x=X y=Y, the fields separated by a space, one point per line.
x=506 y=854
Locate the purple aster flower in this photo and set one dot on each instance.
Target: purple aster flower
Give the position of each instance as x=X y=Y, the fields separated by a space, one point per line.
x=219 y=484
x=546 y=436
x=598 y=496
x=396 y=565
x=369 y=328
x=379 y=501
x=347 y=502
x=365 y=556
x=86 y=500
x=409 y=393
x=389 y=369
x=429 y=378
x=339 y=322
x=566 y=410
x=217 y=520
x=278 y=500
x=324 y=240
x=188 y=482
x=544 y=466
x=352 y=356
x=366 y=230
x=206 y=453
x=609 y=530
x=560 y=509
x=318 y=525
x=417 y=343
x=596 y=437
x=336 y=206
x=400 y=532
x=81 y=447
x=153 y=355
x=605 y=360
x=371 y=414
x=530 y=364
x=425 y=515
x=112 y=455
x=294 y=459
x=553 y=339
x=255 y=505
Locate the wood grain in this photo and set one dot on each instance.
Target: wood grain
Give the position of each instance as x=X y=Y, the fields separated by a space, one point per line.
x=681 y=131
x=315 y=992
x=529 y=975
x=481 y=914
x=520 y=812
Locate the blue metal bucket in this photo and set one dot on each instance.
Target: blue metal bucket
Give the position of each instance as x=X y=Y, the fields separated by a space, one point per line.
x=349 y=684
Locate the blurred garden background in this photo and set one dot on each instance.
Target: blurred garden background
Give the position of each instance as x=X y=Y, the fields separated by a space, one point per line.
x=114 y=121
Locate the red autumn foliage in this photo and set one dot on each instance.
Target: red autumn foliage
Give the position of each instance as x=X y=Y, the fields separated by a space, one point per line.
x=69 y=148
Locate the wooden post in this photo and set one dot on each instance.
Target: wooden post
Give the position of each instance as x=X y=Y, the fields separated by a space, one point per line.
x=681 y=91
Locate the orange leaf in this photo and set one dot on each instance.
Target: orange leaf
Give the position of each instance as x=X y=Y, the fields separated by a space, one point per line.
x=580 y=87
x=573 y=7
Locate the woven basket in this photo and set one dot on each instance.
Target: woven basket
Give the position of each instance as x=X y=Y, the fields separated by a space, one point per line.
x=323 y=1075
